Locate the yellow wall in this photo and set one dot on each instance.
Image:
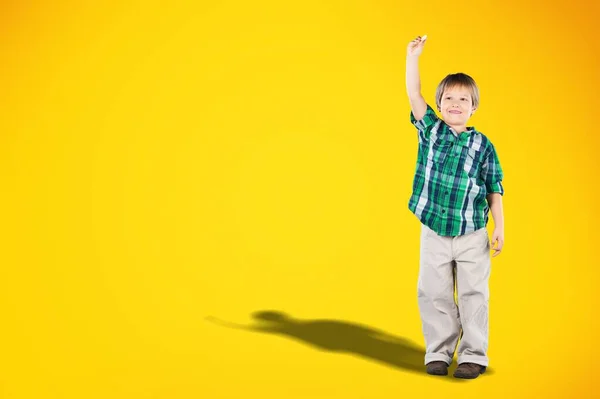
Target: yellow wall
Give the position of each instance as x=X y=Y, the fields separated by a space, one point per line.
x=164 y=164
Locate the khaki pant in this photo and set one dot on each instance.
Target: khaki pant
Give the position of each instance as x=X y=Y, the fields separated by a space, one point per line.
x=446 y=262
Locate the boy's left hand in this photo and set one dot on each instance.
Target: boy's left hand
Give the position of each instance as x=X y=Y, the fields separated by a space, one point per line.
x=497 y=241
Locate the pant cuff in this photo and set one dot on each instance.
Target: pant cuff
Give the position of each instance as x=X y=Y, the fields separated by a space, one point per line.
x=437 y=357
x=480 y=360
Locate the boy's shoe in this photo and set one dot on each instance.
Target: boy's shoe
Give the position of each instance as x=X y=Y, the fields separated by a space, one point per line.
x=437 y=368
x=469 y=370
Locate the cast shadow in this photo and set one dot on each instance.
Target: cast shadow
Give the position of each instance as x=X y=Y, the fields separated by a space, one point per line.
x=342 y=337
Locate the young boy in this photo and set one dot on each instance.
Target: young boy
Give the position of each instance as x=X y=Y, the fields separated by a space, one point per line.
x=458 y=180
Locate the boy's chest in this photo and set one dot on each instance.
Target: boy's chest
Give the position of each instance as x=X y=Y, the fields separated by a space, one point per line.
x=460 y=155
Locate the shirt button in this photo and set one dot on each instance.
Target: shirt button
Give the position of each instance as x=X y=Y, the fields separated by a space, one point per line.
x=443 y=211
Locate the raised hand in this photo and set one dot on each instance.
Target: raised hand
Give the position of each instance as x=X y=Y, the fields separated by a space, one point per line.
x=415 y=47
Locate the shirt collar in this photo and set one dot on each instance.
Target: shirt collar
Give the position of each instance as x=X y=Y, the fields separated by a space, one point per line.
x=470 y=129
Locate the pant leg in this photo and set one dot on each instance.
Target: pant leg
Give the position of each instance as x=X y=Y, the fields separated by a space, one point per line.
x=472 y=256
x=439 y=313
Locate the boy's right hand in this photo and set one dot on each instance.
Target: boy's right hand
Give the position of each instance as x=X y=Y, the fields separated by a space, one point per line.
x=415 y=47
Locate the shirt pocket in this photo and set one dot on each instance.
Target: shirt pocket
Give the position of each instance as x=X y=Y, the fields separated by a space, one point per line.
x=438 y=152
x=472 y=163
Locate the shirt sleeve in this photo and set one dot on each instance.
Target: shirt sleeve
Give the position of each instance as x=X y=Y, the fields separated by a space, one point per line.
x=492 y=172
x=425 y=125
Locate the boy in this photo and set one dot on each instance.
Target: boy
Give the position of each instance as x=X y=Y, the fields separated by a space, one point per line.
x=458 y=180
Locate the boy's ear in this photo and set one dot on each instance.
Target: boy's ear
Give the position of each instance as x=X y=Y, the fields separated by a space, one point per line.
x=473 y=111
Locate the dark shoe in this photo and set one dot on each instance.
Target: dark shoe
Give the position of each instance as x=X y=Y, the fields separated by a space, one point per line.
x=469 y=370
x=437 y=368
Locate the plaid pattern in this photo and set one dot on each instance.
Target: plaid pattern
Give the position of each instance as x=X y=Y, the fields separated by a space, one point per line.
x=454 y=174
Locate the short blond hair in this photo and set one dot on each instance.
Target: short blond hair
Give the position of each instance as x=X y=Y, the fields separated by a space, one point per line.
x=461 y=80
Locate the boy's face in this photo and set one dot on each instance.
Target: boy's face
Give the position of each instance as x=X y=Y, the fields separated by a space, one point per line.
x=456 y=105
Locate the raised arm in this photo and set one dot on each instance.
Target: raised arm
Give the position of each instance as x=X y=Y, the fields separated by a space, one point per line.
x=413 y=80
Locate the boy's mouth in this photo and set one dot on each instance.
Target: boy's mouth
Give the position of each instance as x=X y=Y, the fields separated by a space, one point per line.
x=454 y=111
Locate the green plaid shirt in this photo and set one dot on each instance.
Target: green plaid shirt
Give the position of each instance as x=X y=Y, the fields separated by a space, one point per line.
x=454 y=175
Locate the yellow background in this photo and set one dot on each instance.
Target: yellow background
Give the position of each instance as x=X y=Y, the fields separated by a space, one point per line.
x=162 y=163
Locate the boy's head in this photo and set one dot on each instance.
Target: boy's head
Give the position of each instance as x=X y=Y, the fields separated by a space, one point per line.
x=457 y=97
